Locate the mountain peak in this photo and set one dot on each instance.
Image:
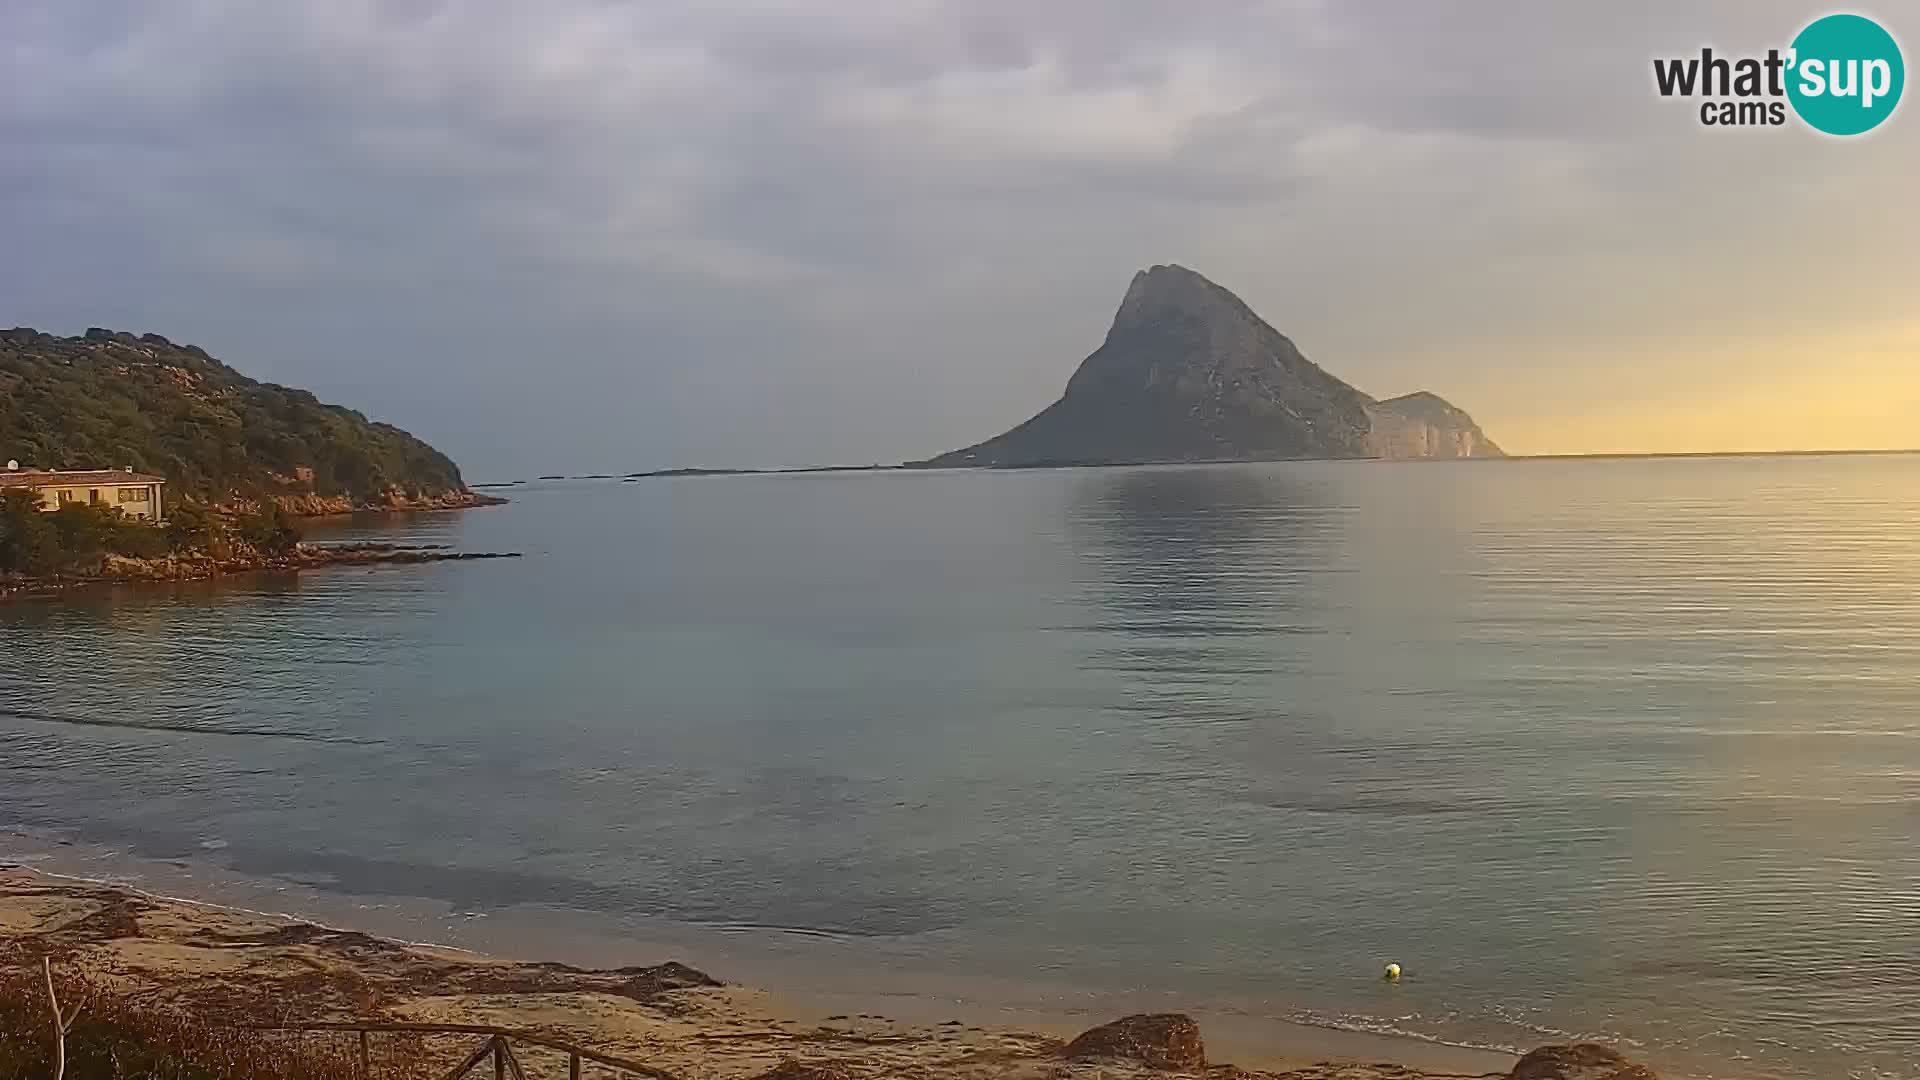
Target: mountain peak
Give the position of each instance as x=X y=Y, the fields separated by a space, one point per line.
x=1162 y=277
x=1171 y=287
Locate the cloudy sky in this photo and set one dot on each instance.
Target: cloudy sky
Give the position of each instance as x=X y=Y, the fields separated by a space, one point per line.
x=592 y=235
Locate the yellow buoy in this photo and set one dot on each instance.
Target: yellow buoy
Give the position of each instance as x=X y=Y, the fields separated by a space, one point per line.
x=1393 y=973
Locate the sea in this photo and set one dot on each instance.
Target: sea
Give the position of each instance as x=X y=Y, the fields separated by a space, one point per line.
x=1625 y=749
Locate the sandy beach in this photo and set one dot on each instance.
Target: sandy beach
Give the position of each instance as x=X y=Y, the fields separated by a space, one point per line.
x=251 y=967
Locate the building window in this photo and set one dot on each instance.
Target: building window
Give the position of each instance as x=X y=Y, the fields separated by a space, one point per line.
x=68 y=496
x=133 y=495
x=93 y=496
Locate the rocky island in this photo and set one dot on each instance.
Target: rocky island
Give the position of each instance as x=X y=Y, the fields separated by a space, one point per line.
x=1188 y=372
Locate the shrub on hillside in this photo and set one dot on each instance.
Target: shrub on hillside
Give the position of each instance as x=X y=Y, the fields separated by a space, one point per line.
x=33 y=541
x=74 y=538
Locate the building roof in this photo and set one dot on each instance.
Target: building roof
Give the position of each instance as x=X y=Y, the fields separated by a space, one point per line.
x=38 y=478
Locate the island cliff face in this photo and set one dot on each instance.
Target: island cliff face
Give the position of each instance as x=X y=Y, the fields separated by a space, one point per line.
x=1425 y=425
x=1189 y=373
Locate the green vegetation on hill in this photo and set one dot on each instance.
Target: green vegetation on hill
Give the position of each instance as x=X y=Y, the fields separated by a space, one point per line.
x=107 y=400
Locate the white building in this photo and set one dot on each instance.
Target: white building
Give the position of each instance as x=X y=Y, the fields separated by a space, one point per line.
x=130 y=492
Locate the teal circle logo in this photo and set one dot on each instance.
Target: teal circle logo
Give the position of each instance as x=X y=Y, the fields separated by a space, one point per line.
x=1846 y=74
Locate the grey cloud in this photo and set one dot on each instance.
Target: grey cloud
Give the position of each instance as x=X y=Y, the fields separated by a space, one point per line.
x=661 y=232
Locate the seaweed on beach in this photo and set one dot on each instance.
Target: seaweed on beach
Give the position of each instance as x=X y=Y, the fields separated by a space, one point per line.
x=117 y=1038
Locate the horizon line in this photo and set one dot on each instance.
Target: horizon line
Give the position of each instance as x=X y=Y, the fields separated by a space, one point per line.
x=911 y=466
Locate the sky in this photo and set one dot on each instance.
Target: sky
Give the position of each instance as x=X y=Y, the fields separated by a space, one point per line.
x=584 y=235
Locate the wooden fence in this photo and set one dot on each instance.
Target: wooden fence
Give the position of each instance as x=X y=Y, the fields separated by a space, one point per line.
x=497 y=1045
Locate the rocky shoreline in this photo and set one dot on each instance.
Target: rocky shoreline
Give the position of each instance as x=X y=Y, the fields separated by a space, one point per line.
x=311 y=505
x=202 y=566
x=238 y=967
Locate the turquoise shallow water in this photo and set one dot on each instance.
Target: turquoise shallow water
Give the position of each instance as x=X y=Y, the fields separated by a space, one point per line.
x=1622 y=748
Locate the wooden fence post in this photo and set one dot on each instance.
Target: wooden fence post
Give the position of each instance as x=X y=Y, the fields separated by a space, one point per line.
x=513 y=1059
x=473 y=1059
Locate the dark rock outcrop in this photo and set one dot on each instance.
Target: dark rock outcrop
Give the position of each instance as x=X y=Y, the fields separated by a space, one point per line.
x=808 y=1070
x=1189 y=373
x=311 y=505
x=646 y=983
x=1580 y=1061
x=202 y=565
x=1162 y=1040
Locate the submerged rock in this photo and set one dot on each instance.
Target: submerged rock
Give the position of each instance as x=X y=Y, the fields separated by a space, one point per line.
x=1162 y=1040
x=1580 y=1061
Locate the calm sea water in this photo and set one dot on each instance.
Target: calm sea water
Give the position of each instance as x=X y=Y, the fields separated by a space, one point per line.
x=1618 y=748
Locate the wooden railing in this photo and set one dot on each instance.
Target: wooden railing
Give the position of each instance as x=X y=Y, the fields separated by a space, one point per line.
x=498 y=1045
